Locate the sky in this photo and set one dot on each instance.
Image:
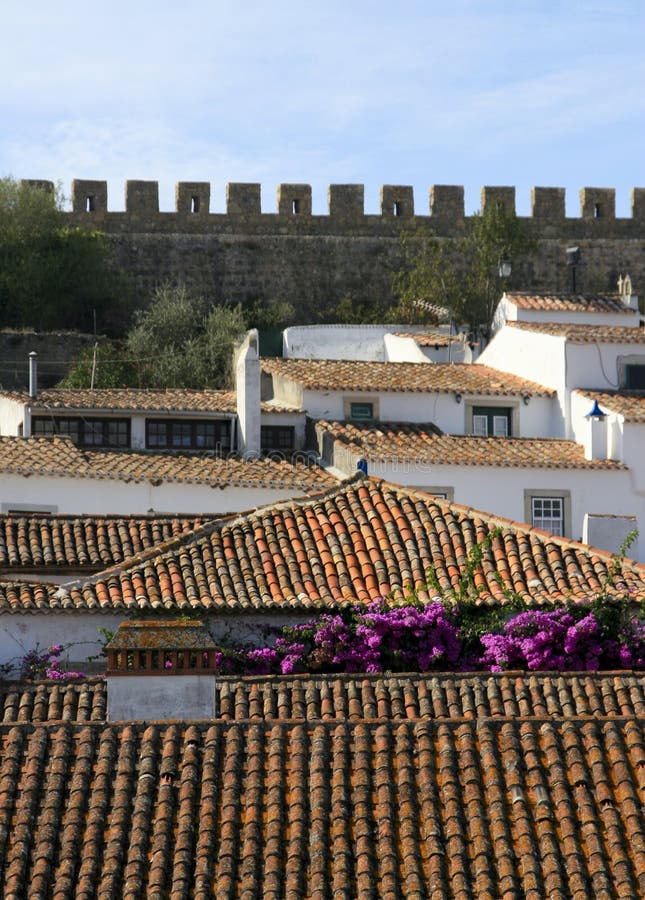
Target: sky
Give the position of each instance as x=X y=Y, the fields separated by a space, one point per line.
x=419 y=92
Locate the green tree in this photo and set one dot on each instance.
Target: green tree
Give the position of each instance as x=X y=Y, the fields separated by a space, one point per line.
x=51 y=276
x=106 y=365
x=494 y=235
x=460 y=276
x=177 y=341
x=428 y=283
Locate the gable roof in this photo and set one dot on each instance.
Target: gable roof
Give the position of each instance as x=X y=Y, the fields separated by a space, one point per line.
x=67 y=541
x=426 y=444
x=346 y=787
x=58 y=456
x=585 y=334
x=569 y=302
x=360 y=375
x=360 y=542
x=631 y=406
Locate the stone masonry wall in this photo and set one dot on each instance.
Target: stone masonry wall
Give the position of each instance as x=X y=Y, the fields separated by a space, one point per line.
x=313 y=261
x=56 y=351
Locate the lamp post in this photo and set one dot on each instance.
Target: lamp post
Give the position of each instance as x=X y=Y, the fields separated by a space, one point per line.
x=573 y=260
x=504 y=268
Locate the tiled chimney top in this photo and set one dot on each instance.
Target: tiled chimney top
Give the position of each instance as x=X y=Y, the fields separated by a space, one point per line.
x=159 y=647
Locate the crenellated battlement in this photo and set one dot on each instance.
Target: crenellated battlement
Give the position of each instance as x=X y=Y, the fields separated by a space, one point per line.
x=345 y=204
x=318 y=263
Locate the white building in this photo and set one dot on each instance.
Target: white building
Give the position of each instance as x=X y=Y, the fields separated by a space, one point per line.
x=377 y=343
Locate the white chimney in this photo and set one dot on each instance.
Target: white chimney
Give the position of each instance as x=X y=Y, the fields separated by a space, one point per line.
x=247 y=386
x=596 y=437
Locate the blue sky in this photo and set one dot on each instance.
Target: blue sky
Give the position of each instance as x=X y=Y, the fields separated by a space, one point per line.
x=463 y=92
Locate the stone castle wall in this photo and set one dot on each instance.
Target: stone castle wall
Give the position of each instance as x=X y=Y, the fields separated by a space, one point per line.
x=314 y=261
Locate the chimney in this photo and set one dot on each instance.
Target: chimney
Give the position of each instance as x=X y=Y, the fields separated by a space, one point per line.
x=161 y=670
x=596 y=439
x=610 y=532
x=33 y=374
x=247 y=386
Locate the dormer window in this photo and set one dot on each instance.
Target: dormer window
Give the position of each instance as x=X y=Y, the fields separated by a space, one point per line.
x=491 y=421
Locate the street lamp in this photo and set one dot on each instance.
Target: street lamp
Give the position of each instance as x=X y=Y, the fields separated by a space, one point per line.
x=504 y=267
x=573 y=260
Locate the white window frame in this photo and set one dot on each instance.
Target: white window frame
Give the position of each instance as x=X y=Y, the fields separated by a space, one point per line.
x=541 y=495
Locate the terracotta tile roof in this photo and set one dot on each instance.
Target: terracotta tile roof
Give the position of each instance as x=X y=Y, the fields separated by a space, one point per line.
x=36 y=542
x=129 y=400
x=453 y=809
x=358 y=375
x=339 y=698
x=430 y=338
x=630 y=406
x=421 y=443
x=564 y=302
x=357 y=543
x=58 y=456
x=585 y=334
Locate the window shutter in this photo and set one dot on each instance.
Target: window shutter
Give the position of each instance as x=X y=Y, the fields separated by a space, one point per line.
x=480 y=425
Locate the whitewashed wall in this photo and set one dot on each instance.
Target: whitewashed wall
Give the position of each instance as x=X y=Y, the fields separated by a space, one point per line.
x=297 y=421
x=339 y=341
x=21 y=632
x=105 y=496
x=406 y=349
x=12 y=416
x=538 y=357
x=442 y=409
x=507 y=311
x=500 y=491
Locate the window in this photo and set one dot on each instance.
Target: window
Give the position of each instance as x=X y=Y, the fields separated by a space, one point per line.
x=635 y=377
x=548 y=513
x=549 y=510
x=277 y=437
x=441 y=492
x=631 y=372
x=363 y=412
x=492 y=421
x=188 y=434
x=27 y=509
x=85 y=432
x=181 y=435
x=359 y=408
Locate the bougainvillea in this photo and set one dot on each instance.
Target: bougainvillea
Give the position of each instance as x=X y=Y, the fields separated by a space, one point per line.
x=37 y=663
x=422 y=638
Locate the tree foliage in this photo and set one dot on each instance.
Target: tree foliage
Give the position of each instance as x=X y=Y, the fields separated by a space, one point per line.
x=462 y=276
x=51 y=276
x=177 y=341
